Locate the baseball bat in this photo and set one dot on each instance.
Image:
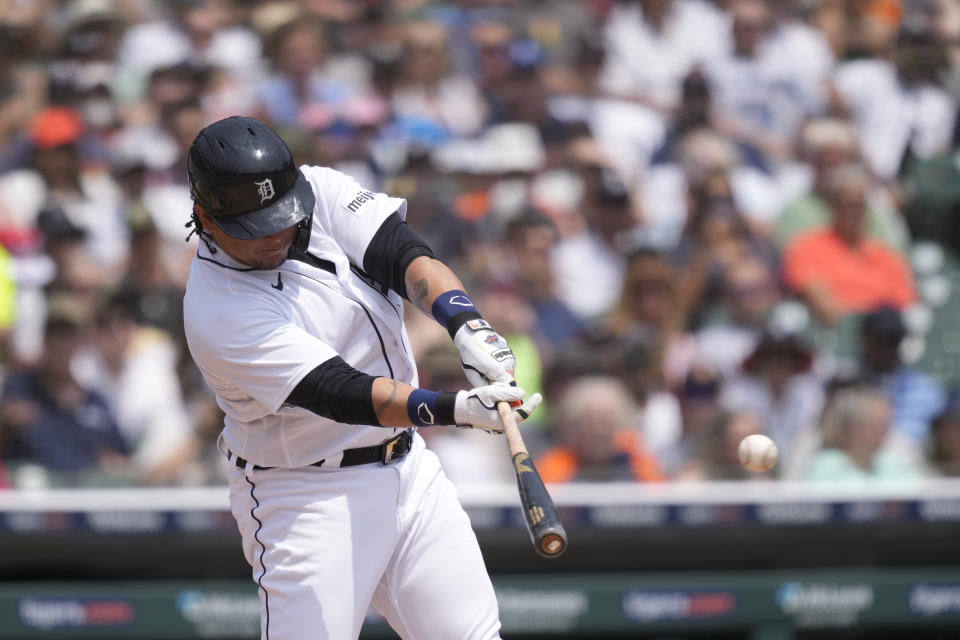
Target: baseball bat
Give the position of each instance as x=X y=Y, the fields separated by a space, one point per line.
x=546 y=532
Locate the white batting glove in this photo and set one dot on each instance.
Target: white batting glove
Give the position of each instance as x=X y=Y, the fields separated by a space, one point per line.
x=478 y=407
x=484 y=354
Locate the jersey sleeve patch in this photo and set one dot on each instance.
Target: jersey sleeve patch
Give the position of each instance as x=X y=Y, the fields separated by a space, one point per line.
x=356 y=202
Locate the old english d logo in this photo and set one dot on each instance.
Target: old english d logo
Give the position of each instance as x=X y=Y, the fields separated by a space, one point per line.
x=265 y=190
x=520 y=463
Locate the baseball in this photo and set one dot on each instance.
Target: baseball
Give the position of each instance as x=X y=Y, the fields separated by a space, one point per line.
x=757 y=452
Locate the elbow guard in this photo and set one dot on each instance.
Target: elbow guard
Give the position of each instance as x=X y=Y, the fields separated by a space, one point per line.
x=337 y=391
x=390 y=252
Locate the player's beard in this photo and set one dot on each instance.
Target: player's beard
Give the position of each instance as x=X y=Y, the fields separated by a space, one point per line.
x=272 y=259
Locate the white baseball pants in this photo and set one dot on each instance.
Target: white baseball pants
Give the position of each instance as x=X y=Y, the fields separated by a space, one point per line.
x=325 y=543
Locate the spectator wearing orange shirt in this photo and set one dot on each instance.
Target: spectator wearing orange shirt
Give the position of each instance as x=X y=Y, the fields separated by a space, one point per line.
x=597 y=437
x=839 y=269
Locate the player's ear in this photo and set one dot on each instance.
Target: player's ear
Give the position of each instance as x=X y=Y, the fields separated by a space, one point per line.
x=205 y=221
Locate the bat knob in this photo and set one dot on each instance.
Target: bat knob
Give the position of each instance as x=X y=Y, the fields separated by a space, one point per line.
x=552 y=545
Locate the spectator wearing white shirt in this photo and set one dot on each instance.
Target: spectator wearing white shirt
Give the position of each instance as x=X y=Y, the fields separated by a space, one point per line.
x=773 y=78
x=650 y=47
x=589 y=264
x=897 y=104
x=429 y=89
x=134 y=368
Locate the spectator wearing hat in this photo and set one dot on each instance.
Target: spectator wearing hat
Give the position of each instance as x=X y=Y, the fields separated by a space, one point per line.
x=59 y=175
x=944 y=447
x=839 y=269
x=775 y=384
x=62 y=269
x=916 y=397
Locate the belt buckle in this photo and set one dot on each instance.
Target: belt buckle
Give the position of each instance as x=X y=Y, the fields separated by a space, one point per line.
x=395 y=448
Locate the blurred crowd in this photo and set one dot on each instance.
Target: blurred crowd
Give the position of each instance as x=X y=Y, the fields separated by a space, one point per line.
x=693 y=220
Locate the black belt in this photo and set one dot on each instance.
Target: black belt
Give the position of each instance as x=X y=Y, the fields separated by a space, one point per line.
x=386 y=452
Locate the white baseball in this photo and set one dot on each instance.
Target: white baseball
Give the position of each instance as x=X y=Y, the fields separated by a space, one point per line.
x=757 y=452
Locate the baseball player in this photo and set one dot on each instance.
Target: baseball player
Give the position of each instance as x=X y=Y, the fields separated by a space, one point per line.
x=293 y=314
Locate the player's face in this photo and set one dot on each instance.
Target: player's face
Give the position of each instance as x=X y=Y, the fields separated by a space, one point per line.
x=268 y=252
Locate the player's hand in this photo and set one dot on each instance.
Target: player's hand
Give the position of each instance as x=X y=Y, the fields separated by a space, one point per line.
x=478 y=407
x=484 y=354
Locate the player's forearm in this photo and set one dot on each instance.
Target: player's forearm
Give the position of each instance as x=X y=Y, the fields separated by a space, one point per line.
x=389 y=399
x=426 y=278
x=397 y=404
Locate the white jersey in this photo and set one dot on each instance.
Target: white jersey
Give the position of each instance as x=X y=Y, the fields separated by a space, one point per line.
x=255 y=333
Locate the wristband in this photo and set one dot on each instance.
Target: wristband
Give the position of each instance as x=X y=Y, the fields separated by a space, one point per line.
x=452 y=309
x=428 y=408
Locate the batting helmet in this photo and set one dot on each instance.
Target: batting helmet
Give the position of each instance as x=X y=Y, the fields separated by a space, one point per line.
x=244 y=176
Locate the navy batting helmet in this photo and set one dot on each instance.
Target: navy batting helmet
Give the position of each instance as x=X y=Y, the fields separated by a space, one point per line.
x=244 y=176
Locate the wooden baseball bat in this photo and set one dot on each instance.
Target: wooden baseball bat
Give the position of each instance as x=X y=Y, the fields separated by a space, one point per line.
x=546 y=532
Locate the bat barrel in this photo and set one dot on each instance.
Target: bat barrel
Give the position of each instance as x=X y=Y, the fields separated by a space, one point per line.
x=546 y=531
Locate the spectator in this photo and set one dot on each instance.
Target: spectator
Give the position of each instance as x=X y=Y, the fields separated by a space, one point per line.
x=838 y=270
x=649 y=47
x=205 y=31
x=310 y=89
x=589 y=263
x=748 y=295
x=58 y=176
x=63 y=268
x=825 y=144
x=596 y=437
x=429 y=90
x=134 y=368
x=916 y=397
x=531 y=237
x=945 y=439
x=23 y=79
x=51 y=420
x=757 y=99
x=149 y=279
x=650 y=310
x=718 y=457
x=717 y=237
x=896 y=103
x=708 y=167
x=776 y=385
x=855 y=445
x=652 y=46
x=699 y=403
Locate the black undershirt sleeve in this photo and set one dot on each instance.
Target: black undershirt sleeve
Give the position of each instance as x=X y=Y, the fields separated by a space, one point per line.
x=390 y=252
x=337 y=391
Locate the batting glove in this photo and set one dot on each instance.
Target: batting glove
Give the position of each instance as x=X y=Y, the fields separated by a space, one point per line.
x=477 y=408
x=484 y=354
